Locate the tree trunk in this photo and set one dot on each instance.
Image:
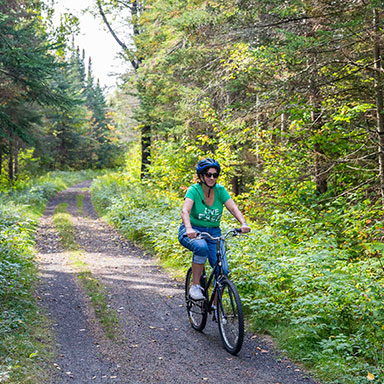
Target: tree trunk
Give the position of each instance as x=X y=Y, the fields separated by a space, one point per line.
x=258 y=122
x=145 y=149
x=283 y=127
x=315 y=99
x=16 y=160
x=10 y=160
x=134 y=7
x=379 y=99
x=321 y=175
x=236 y=185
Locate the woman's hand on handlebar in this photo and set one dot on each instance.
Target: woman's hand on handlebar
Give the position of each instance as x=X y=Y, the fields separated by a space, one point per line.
x=191 y=233
x=245 y=228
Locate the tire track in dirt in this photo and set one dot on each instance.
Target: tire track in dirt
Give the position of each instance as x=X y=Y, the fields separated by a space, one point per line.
x=79 y=358
x=157 y=344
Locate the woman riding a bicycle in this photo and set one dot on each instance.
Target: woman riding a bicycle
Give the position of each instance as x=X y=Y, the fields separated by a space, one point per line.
x=202 y=211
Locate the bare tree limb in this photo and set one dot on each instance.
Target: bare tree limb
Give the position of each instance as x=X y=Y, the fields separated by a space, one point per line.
x=134 y=63
x=121 y=43
x=349 y=190
x=124 y=4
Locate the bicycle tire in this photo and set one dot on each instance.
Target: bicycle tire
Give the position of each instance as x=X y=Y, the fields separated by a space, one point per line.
x=230 y=317
x=196 y=309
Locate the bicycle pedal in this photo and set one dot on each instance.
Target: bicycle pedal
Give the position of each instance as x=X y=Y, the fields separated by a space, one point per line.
x=196 y=300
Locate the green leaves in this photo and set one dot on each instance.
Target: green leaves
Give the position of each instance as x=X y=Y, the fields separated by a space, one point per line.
x=321 y=307
x=16 y=277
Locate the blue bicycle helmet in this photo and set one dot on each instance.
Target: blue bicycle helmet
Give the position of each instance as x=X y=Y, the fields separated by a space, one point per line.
x=205 y=164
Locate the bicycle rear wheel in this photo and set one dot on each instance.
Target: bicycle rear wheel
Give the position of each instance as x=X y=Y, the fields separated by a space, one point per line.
x=196 y=309
x=230 y=317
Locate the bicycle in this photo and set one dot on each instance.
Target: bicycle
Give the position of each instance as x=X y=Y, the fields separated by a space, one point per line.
x=229 y=315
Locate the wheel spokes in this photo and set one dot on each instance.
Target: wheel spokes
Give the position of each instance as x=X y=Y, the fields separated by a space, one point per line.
x=229 y=321
x=196 y=308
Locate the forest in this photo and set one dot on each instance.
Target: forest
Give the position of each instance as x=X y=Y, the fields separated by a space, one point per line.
x=287 y=95
x=53 y=112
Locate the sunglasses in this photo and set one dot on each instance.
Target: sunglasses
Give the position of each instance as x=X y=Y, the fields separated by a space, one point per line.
x=214 y=175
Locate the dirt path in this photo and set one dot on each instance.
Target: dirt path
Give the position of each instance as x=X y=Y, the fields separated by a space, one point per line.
x=157 y=344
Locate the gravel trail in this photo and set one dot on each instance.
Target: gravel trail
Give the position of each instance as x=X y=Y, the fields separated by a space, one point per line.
x=157 y=345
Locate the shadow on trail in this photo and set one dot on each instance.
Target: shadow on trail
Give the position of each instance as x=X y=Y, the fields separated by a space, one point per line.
x=78 y=359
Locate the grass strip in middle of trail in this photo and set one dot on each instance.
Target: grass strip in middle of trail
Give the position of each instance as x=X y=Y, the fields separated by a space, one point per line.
x=107 y=318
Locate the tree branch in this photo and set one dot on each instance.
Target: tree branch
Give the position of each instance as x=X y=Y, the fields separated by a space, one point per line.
x=349 y=190
x=124 y=4
x=121 y=43
x=134 y=63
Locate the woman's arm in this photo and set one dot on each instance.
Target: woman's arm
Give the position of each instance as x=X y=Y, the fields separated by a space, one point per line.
x=232 y=207
x=186 y=211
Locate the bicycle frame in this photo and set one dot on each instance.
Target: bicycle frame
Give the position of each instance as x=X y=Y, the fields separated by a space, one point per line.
x=213 y=275
x=219 y=263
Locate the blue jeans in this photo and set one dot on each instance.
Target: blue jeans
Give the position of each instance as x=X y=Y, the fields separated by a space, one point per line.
x=204 y=249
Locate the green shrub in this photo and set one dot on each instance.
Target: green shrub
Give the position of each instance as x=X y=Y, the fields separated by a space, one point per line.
x=318 y=304
x=17 y=275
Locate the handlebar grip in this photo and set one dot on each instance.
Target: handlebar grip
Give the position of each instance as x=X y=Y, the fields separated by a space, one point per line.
x=185 y=235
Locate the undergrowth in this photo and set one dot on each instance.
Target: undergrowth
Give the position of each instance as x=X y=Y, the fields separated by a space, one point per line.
x=323 y=307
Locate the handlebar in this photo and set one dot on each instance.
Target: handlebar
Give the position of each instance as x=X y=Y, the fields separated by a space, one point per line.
x=202 y=235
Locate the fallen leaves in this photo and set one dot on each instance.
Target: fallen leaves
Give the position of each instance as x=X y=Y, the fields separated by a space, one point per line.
x=370 y=376
x=262 y=350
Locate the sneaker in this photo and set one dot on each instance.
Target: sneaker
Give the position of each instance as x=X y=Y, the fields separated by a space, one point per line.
x=196 y=292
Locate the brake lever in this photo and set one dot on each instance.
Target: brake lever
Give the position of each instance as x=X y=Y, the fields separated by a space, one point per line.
x=237 y=232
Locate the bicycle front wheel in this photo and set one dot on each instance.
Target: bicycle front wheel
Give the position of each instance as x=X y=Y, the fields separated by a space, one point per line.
x=230 y=317
x=197 y=309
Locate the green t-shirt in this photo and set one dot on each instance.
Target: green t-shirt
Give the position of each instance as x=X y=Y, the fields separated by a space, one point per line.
x=203 y=215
